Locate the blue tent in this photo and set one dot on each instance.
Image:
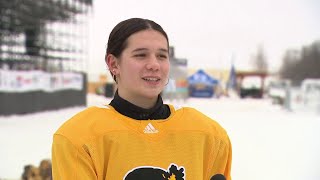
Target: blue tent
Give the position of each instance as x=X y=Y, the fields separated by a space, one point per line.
x=201 y=84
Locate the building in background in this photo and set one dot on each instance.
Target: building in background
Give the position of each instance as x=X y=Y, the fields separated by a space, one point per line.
x=177 y=87
x=43 y=52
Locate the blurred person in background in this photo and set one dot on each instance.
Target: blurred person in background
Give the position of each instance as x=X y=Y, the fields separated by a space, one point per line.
x=136 y=135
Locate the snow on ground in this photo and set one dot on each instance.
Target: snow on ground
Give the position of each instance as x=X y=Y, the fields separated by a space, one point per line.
x=268 y=141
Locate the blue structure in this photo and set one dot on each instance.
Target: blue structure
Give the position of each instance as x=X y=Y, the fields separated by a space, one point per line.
x=201 y=84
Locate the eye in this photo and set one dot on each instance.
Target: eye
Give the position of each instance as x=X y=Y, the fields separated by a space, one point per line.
x=140 y=55
x=163 y=56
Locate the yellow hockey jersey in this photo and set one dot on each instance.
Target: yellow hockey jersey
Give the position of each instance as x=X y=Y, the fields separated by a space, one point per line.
x=100 y=143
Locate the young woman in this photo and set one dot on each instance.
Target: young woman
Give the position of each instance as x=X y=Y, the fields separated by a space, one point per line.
x=136 y=136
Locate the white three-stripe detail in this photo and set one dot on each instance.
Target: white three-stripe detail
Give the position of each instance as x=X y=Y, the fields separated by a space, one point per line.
x=150 y=129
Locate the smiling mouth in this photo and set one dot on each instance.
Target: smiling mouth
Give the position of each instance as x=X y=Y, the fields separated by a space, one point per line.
x=151 y=79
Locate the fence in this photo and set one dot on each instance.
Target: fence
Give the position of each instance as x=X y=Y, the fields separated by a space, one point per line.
x=32 y=91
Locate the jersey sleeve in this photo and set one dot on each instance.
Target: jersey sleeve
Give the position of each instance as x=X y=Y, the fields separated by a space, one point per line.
x=222 y=162
x=228 y=152
x=69 y=161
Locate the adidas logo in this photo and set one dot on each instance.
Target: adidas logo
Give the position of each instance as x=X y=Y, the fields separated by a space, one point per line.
x=149 y=129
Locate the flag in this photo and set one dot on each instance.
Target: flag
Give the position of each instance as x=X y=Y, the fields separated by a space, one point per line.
x=232 y=81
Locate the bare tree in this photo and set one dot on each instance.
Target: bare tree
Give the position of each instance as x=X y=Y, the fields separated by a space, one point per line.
x=259 y=60
x=298 y=65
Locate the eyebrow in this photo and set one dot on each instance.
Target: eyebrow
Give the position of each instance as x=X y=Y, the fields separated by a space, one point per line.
x=142 y=49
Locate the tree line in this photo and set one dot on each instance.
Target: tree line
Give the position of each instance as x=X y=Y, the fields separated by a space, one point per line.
x=298 y=65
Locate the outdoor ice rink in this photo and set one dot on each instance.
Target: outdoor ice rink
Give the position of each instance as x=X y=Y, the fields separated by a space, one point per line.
x=268 y=141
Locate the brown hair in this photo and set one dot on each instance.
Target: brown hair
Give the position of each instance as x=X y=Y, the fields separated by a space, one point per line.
x=117 y=41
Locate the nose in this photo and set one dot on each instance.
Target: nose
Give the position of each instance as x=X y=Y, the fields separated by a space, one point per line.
x=153 y=63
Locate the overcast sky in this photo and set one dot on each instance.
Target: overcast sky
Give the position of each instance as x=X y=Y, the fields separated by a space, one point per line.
x=210 y=32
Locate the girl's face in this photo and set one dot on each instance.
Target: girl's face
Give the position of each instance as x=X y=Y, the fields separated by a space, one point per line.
x=143 y=68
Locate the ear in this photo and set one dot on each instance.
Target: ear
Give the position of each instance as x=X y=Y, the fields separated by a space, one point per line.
x=112 y=63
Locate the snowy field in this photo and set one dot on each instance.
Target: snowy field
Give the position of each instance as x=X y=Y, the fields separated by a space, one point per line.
x=268 y=141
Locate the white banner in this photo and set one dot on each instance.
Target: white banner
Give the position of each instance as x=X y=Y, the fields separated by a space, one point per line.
x=24 y=81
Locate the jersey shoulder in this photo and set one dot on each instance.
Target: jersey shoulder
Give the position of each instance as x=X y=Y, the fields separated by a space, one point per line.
x=91 y=122
x=192 y=119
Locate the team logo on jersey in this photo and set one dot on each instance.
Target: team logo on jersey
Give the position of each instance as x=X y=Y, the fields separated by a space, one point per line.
x=155 y=173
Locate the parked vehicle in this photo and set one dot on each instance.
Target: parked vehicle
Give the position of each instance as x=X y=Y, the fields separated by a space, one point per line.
x=310 y=89
x=251 y=87
x=277 y=89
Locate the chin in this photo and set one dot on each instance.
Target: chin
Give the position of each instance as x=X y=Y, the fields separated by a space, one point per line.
x=150 y=93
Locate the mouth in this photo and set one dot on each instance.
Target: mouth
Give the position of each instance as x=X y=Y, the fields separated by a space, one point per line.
x=151 y=79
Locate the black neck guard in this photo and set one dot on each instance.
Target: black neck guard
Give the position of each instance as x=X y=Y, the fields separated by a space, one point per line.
x=159 y=111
